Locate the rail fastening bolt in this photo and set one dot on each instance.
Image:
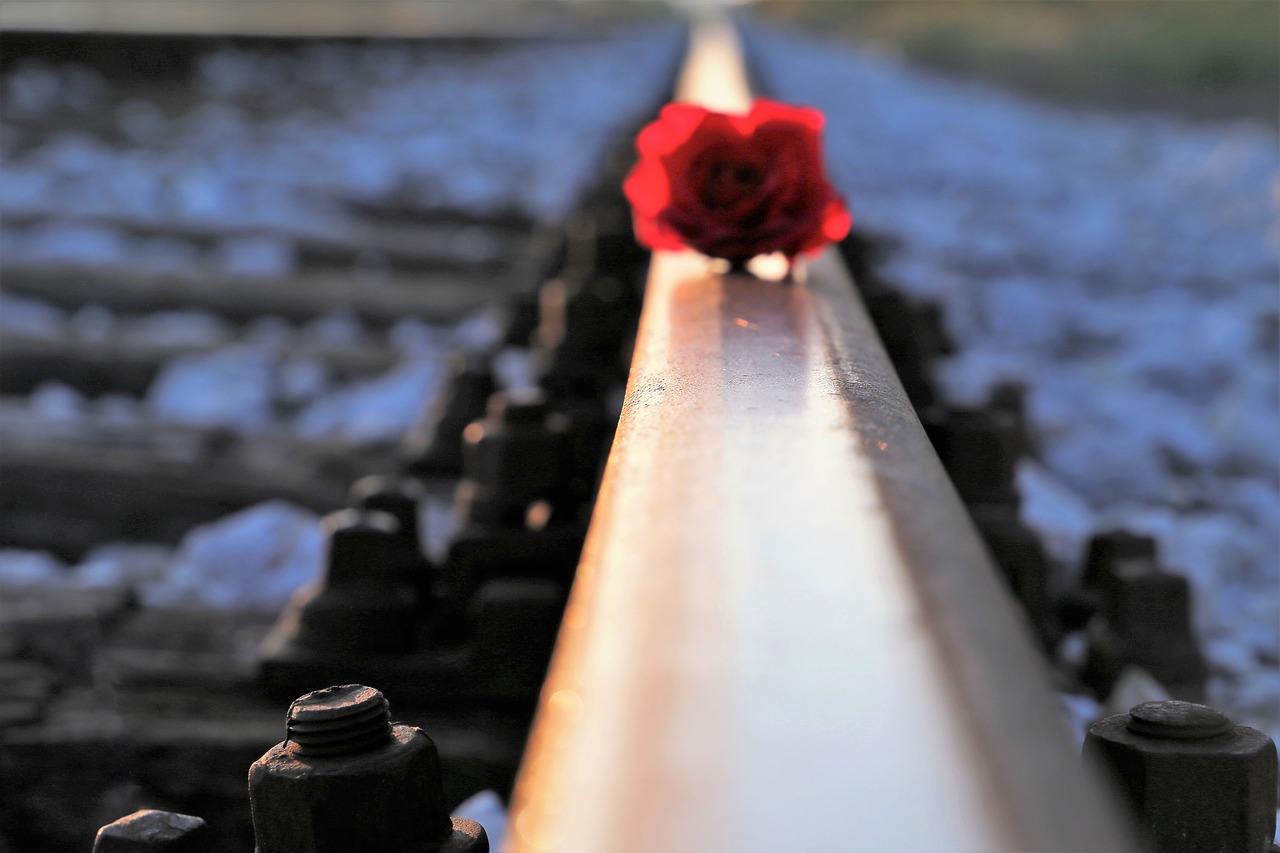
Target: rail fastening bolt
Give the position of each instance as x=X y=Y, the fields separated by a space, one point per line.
x=401 y=498
x=1108 y=548
x=1194 y=781
x=346 y=779
x=434 y=446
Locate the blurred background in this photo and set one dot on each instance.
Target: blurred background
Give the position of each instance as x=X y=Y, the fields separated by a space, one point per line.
x=1201 y=59
x=253 y=251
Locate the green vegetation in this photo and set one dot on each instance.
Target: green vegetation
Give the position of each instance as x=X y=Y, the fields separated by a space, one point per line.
x=1204 y=58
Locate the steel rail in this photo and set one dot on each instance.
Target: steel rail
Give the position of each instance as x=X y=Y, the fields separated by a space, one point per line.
x=784 y=634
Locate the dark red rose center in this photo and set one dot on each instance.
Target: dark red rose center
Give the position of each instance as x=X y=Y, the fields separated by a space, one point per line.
x=728 y=182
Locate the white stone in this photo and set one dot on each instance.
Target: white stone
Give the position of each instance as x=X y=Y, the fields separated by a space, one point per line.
x=253 y=559
x=231 y=387
x=32 y=568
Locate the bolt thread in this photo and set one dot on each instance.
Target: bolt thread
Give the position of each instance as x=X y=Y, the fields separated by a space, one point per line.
x=339 y=721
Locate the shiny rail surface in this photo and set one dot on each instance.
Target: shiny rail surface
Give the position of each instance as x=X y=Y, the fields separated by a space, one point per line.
x=784 y=633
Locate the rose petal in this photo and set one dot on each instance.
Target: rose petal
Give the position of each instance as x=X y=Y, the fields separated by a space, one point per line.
x=764 y=110
x=656 y=234
x=673 y=127
x=647 y=188
x=836 y=220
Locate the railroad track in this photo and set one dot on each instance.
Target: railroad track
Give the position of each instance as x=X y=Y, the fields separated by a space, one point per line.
x=783 y=597
x=771 y=499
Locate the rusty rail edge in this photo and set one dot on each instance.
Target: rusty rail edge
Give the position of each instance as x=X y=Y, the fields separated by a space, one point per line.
x=784 y=633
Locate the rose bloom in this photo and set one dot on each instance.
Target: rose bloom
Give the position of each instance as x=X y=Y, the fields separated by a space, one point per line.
x=735 y=186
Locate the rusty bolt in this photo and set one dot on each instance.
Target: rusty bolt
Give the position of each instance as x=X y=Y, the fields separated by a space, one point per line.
x=1145 y=619
x=363 y=607
x=358 y=546
x=1196 y=783
x=346 y=778
x=582 y=325
x=979 y=448
x=396 y=496
x=1105 y=550
x=516 y=456
x=434 y=447
x=151 y=831
x=514 y=625
x=481 y=553
x=1111 y=546
x=400 y=497
x=521 y=318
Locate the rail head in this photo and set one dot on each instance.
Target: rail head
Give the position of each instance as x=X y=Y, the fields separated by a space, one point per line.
x=784 y=633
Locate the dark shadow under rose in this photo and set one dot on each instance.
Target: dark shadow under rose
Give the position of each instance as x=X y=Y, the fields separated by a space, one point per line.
x=735 y=186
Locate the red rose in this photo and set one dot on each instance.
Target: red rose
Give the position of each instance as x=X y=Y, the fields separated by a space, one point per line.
x=734 y=186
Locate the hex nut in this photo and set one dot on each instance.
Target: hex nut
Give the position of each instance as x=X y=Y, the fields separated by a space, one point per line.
x=1194 y=782
x=346 y=779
